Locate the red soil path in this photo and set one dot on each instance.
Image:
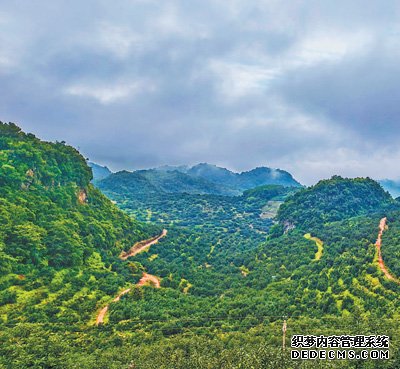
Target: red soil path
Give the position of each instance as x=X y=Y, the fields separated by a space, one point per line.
x=103 y=312
x=149 y=279
x=145 y=280
x=378 y=244
x=142 y=245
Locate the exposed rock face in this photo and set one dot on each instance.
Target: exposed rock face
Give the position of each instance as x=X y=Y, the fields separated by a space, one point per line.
x=288 y=226
x=30 y=177
x=82 y=196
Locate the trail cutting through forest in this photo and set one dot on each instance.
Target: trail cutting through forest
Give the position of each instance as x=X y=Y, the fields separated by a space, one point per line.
x=378 y=244
x=103 y=312
x=142 y=245
x=146 y=279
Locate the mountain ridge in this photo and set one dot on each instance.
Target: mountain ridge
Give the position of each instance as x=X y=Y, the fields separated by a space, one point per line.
x=202 y=178
x=99 y=171
x=391 y=185
x=240 y=180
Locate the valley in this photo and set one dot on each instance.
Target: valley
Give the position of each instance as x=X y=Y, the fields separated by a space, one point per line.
x=90 y=274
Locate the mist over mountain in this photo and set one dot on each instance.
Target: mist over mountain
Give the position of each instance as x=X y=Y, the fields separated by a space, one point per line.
x=240 y=181
x=199 y=179
x=392 y=186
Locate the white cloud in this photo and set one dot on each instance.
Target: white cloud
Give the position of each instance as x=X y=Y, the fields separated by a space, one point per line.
x=107 y=94
x=329 y=46
x=120 y=41
x=236 y=80
x=221 y=80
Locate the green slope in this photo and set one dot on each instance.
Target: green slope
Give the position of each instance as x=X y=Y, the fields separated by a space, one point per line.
x=334 y=200
x=59 y=237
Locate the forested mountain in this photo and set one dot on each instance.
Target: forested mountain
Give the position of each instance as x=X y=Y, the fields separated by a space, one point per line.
x=199 y=179
x=151 y=181
x=318 y=261
x=151 y=203
x=59 y=237
x=244 y=180
x=240 y=181
x=334 y=200
x=227 y=273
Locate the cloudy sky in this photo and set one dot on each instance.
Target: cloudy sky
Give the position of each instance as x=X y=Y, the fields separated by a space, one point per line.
x=312 y=87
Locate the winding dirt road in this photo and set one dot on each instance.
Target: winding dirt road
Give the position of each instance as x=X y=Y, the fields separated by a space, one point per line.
x=149 y=279
x=378 y=244
x=103 y=312
x=142 y=245
x=145 y=280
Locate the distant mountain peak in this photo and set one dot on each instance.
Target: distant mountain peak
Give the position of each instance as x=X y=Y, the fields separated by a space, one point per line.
x=206 y=178
x=211 y=172
x=391 y=185
x=99 y=172
x=171 y=168
x=265 y=175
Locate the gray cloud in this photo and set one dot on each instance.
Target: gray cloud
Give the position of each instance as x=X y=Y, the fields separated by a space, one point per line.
x=307 y=86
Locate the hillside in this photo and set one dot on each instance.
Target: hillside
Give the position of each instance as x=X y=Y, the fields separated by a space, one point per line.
x=334 y=200
x=59 y=235
x=253 y=210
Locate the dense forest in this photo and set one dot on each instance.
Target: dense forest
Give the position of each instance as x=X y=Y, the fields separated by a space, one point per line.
x=333 y=200
x=231 y=268
x=60 y=237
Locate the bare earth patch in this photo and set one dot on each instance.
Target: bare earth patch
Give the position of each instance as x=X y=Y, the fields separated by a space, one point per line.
x=383 y=227
x=147 y=279
x=142 y=245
